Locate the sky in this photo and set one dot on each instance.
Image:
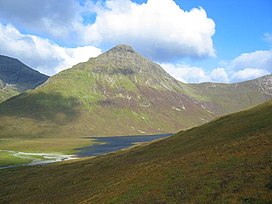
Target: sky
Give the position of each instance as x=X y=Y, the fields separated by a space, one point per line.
x=193 y=40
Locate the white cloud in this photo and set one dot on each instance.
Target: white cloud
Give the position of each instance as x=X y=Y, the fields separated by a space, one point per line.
x=72 y=56
x=159 y=29
x=248 y=73
x=219 y=75
x=268 y=38
x=186 y=73
x=260 y=59
x=247 y=66
x=57 y=19
x=41 y=54
x=189 y=74
x=251 y=65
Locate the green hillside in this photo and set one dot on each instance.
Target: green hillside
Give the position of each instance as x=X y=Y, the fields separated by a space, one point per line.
x=117 y=93
x=227 y=160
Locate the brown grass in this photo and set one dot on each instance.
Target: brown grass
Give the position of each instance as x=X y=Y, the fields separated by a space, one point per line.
x=224 y=161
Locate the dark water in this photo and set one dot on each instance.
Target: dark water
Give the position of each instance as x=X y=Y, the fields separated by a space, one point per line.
x=112 y=144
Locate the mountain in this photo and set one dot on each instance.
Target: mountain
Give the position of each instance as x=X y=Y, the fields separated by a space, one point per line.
x=16 y=77
x=229 y=98
x=119 y=93
x=227 y=160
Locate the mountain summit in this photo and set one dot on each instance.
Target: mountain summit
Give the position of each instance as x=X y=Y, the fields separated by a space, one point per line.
x=123 y=63
x=119 y=92
x=122 y=49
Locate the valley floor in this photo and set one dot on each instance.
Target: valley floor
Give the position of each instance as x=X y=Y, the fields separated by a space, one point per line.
x=20 y=151
x=55 y=149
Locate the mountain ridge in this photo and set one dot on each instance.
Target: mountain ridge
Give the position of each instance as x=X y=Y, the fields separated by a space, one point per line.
x=237 y=96
x=12 y=67
x=118 y=93
x=17 y=77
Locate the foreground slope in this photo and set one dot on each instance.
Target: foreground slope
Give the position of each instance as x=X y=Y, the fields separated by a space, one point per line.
x=16 y=77
x=227 y=160
x=117 y=93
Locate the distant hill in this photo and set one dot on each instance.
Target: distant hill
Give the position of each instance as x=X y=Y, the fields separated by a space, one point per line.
x=16 y=77
x=227 y=160
x=229 y=98
x=121 y=93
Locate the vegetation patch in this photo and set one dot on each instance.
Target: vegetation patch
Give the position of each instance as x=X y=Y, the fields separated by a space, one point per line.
x=8 y=159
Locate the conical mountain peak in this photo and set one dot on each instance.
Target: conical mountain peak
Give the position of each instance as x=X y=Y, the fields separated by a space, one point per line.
x=122 y=59
x=120 y=92
x=122 y=48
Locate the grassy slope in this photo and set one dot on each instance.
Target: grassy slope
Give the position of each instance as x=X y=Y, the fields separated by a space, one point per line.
x=82 y=101
x=117 y=93
x=227 y=160
x=6 y=92
x=6 y=159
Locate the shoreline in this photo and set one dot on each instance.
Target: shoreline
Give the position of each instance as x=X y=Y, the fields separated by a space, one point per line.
x=43 y=158
x=49 y=158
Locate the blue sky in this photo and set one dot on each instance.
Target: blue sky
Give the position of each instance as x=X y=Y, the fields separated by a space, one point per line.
x=240 y=25
x=193 y=40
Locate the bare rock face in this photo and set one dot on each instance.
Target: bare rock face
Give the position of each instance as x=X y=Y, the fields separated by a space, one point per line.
x=264 y=84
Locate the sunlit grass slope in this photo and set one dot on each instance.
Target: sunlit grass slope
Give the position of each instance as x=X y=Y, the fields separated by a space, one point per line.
x=117 y=93
x=6 y=93
x=228 y=160
x=121 y=92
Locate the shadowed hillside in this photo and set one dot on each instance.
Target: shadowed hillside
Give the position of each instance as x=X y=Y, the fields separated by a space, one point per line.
x=16 y=77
